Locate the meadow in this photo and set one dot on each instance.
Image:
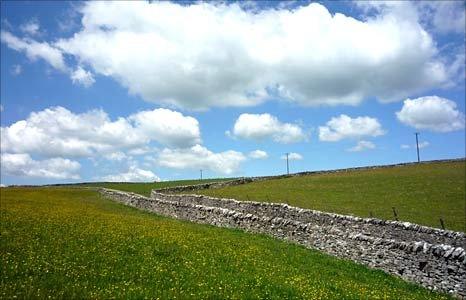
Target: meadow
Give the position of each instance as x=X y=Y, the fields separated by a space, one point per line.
x=69 y=243
x=420 y=194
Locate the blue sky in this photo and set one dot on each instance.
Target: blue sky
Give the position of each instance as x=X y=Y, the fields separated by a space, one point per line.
x=120 y=91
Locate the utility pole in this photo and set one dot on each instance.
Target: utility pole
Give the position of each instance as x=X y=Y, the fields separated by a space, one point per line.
x=417 y=147
x=287 y=165
x=201 y=174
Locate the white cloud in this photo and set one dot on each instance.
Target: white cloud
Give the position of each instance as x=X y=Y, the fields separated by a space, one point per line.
x=23 y=165
x=141 y=151
x=293 y=156
x=133 y=174
x=35 y=50
x=431 y=113
x=440 y=16
x=168 y=127
x=449 y=16
x=53 y=56
x=1 y=107
x=57 y=131
x=443 y=16
x=116 y=156
x=457 y=68
x=199 y=157
x=437 y=18
x=258 y=154
x=421 y=145
x=343 y=127
x=265 y=126
x=69 y=19
x=243 y=57
x=83 y=77
x=362 y=146
x=6 y=24
x=16 y=70
x=31 y=28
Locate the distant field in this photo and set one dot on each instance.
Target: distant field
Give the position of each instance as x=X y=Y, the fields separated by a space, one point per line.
x=145 y=187
x=71 y=243
x=420 y=193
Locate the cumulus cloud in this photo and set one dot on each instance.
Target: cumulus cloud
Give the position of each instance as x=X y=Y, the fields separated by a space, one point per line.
x=57 y=131
x=265 y=126
x=134 y=174
x=16 y=70
x=35 y=50
x=53 y=56
x=116 y=156
x=258 y=154
x=343 y=127
x=31 y=28
x=293 y=156
x=444 y=16
x=362 y=146
x=240 y=57
x=423 y=144
x=169 y=127
x=199 y=157
x=439 y=16
x=141 y=150
x=431 y=113
x=83 y=77
x=23 y=165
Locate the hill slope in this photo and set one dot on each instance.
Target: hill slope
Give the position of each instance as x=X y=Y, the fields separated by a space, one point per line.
x=420 y=193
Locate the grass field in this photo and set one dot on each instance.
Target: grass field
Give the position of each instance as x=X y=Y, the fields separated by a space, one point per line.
x=144 y=188
x=71 y=243
x=420 y=193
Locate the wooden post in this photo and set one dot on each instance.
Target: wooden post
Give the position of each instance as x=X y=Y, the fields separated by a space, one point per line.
x=394 y=213
x=442 y=224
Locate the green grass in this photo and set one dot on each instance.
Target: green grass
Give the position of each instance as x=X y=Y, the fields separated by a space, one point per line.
x=144 y=188
x=71 y=243
x=420 y=193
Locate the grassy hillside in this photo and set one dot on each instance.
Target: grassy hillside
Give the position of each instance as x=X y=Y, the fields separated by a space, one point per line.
x=144 y=188
x=71 y=243
x=420 y=193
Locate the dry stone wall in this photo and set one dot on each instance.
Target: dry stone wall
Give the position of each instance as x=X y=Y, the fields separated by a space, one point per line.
x=431 y=257
x=402 y=231
x=203 y=186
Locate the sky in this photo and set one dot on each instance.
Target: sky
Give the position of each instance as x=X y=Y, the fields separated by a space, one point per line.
x=150 y=91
